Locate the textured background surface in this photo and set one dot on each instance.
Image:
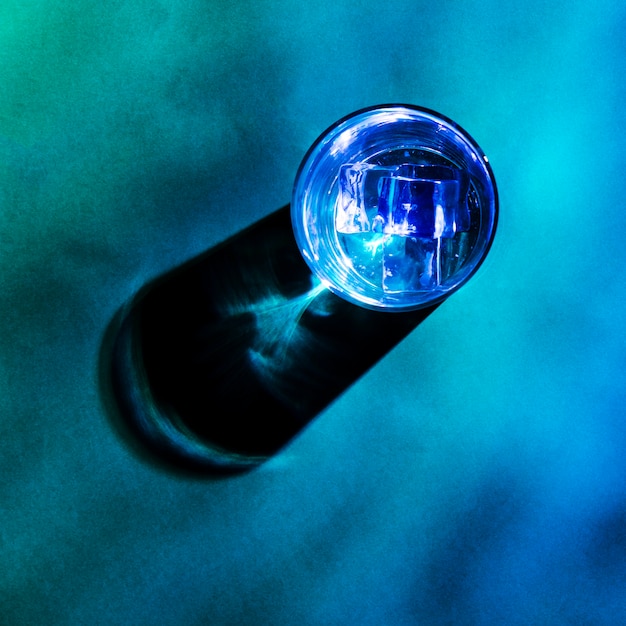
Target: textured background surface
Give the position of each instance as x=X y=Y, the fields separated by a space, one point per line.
x=485 y=485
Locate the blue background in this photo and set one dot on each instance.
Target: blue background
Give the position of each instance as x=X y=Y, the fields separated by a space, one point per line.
x=475 y=476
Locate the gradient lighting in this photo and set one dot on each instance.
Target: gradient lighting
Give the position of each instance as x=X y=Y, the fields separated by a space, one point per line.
x=394 y=207
x=474 y=477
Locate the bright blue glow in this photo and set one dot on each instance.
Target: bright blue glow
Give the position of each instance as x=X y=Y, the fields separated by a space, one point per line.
x=394 y=207
x=404 y=210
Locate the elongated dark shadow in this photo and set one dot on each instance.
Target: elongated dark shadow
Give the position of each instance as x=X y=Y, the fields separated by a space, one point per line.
x=218 y=364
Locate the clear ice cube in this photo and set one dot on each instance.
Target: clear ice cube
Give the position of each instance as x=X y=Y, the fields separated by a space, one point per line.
x=410 y=264
x=358 y=197
x=394 y=220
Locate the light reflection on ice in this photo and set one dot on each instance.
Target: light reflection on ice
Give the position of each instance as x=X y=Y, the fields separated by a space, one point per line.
x=392 y=220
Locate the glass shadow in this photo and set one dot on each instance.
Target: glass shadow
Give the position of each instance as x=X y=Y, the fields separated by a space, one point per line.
x=221 y=362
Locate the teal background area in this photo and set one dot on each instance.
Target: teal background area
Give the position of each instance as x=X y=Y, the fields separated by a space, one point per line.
x=475 y=476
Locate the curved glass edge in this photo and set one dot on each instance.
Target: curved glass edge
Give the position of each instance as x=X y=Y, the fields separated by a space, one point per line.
x=315 y=190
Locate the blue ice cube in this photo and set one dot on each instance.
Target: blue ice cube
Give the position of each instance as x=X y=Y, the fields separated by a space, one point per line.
x=424 y=201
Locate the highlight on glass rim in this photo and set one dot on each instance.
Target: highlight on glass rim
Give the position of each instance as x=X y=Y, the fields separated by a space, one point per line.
x=394 y=207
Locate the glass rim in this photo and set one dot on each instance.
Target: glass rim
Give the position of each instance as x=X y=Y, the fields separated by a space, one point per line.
x=300 y=200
